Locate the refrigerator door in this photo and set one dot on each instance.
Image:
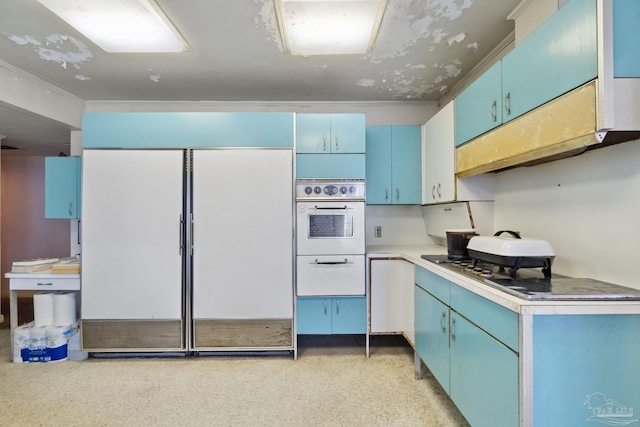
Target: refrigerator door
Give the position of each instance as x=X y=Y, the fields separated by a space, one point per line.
x=242 y=248
x=132 y=288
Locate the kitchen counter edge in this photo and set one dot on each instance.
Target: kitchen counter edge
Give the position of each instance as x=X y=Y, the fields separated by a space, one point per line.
x=412 y=253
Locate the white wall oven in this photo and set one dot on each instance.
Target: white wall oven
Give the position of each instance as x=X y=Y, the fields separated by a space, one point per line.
x=330 y=237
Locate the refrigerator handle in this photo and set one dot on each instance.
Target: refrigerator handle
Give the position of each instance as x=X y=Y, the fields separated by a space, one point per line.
x=181 y=235
x=191 y=236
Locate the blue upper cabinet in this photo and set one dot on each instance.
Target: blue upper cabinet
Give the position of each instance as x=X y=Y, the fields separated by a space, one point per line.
x=393 y=165
x=378 y=165
x=186 y=129
x=559 y=56
x=330 y=133
x=62 y=187
x=330 y=146
x=478 y=108
x=626 y=33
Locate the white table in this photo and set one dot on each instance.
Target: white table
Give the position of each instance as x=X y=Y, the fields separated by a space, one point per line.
x=36 y=282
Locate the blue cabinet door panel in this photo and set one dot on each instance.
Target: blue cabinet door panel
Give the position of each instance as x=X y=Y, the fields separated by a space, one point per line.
x=604 y=370
x=313 y=133
x=378 y=165
x=313 y=316
x=186 y=129
x=434 y=284
x=62 y=187
x=484 y=377
x=478 y=108
x=348 y=133
x=406 y=165
x=626 y=33
x=559 y=56
x=497 y=320
x=432 y=335
x=349 y=315
x=330 y=166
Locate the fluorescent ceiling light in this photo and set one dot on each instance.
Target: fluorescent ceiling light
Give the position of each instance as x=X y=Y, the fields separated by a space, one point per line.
x=329 y=27
x=120 y=26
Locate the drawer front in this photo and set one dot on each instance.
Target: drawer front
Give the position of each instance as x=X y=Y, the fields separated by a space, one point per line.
x=330 y=275
x=434 y=284
x=44 y=284
x=498 y=321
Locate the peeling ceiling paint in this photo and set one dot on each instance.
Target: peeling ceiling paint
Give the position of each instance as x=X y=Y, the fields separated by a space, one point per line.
x=405 y=24
x=59 y=48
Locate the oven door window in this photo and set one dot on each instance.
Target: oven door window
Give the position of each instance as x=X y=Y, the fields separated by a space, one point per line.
x=339 y=226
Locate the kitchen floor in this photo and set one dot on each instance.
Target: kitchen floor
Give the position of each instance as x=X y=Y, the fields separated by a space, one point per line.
x=331 y=384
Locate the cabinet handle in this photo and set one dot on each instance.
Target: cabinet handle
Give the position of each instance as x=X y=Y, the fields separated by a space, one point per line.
x=70 y=208
x=507 y=103
x=181 y=235
x=337 y=306
x=44 y=284
x=494 y=110
x=439 y=194
x=433 y=192
x=386 y=194
x=453 y=328
x=397 y=194
x=324 y=142
x=337 y=146
x=443 y=324
x=325 y=307
x=191 y=237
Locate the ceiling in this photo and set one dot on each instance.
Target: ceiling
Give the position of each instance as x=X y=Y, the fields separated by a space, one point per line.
x=423 y=48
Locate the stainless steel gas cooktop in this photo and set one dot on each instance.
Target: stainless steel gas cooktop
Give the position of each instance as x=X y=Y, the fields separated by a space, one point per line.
x=530 y=283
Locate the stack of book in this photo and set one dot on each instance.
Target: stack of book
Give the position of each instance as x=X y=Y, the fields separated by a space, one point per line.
x=33 y=265
x=66 y=266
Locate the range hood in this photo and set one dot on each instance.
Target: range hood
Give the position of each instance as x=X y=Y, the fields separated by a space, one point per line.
x=564 y=127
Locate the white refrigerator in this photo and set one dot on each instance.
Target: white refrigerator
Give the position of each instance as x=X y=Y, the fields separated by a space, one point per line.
x=187 y=250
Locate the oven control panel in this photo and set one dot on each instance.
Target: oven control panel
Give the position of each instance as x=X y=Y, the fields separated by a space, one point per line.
x=314 y=189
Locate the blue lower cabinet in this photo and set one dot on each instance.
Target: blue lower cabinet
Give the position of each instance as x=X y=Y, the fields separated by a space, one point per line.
x=586 y=370
x=331 y=315
x=483 y=380
x=459 y=337
x=432 y=334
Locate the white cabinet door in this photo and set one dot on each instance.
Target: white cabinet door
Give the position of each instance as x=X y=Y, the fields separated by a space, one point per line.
x=439 y=157
x=242 y=234
x=392 y=310
x=131 y=261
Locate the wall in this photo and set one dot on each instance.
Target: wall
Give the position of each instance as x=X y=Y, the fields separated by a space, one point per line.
x=25 y=232
x=401 y=225
x=378 y=113
x=585 y=206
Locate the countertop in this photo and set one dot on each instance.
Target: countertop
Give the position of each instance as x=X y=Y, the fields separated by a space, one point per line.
x=41 y=275
x=412 y=253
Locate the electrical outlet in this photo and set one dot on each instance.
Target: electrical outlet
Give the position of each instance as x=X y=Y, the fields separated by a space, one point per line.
x=377 y=231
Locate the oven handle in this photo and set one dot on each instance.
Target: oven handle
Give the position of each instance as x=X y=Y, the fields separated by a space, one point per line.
x=335 y=208
x=330 y=262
